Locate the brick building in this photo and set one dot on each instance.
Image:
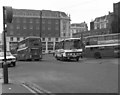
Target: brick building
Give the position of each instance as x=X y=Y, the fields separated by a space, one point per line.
x=1 y=41
x=101 y=25
x=78 y=28
x=103 y=22
x=116 y=22
x=52 y=26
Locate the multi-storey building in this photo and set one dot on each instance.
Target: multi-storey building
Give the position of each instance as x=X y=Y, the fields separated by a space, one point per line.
x=116 y=22
x=78 y=28
x=103 y=21
x=1 y=41
x=101 y=25
x=51 y=26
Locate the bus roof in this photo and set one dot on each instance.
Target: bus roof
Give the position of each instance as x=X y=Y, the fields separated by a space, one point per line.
x=29 y=38
x=70 y=39
x=88 y=46
x=32 y=37
x=103 y=35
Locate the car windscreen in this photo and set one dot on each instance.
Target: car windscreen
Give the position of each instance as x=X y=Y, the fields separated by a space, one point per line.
x=74 y=44
x=7 y=54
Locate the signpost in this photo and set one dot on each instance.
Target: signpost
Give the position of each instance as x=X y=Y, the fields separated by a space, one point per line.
x=7 y=18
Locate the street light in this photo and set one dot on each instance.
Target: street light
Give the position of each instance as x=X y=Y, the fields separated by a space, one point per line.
x=40 y=23
x=7 y=18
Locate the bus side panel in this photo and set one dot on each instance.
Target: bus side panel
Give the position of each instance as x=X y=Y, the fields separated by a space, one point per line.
x=107 y=53
x=88 y=53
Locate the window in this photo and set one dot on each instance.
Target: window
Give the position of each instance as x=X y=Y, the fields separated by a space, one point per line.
x=100 y=38
x=56 y=22
x=64 y=34
x=17 y=27
x=11 y=38
x=43 y=39
x=24 y=20
x=11 y=26
x=11 y=32
x=49 y=28
x=43 y=27
x=56 y=39
x=56 y=28
x=37 y=27
x=108 y=38
x=17 y=20
x=37 y=20
x=117 y=47
x=31 y=27
x=49 y=39
x=115 y=37
x=24 y=27
x=43 y=45
x=43 y=21
x=18 y=39
x=49 y=21
x=31 y=20
x=50 y=45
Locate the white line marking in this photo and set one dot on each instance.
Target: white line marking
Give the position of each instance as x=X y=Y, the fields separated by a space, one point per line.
x=32 y=91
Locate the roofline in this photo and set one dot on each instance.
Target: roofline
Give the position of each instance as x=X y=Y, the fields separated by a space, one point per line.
x=88 y=46
x=102 y=35
x=69 y=39
x=30 y=37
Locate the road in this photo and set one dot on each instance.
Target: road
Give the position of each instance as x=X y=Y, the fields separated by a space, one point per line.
x=85 y=76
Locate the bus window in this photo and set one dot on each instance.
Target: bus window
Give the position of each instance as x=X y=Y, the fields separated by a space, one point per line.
x=117 y=47
x=108 y=37
x=101 y=48
x=115 y=37
x=77 y=44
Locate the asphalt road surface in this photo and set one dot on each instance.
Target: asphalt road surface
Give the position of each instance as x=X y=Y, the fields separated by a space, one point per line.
x=85 y=76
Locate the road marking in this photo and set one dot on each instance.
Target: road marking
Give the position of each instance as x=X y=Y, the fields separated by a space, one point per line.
x=35 y=88
x=32 y=91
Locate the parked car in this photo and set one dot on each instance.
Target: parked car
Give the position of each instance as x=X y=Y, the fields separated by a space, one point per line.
x=10 y=59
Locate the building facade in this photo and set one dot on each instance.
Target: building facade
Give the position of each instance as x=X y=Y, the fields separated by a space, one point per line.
x=103 y=22
x=116 y=22
x=1 y=42
x=51 y=26
x=101 y=25
x=78 y=28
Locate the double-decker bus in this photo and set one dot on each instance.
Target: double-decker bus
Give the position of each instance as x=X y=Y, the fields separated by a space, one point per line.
x=68 y=49
x=102 y=39
x=30 y=48
x=101 y=46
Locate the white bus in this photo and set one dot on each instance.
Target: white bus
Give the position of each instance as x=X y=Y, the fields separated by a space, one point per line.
x=68 y=49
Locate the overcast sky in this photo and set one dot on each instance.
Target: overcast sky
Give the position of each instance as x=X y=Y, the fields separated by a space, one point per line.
x=79 y=10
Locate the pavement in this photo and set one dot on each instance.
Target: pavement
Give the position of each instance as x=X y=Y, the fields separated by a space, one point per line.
x=13 y=87
x=17 y=87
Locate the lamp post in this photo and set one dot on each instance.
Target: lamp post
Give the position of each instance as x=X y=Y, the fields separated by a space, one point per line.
x=40 y=23
x=7 y=18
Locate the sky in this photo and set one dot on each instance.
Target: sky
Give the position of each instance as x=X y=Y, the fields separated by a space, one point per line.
x=79 y=10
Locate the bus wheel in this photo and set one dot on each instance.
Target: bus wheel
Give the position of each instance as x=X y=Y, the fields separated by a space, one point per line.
x=62 y=58
x=77 y=59
x=14 y=64
x=97 y=55
x=57 y=57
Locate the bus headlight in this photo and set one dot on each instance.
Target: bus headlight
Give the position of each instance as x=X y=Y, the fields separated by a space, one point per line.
x=30 y=56
x=64 y=54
